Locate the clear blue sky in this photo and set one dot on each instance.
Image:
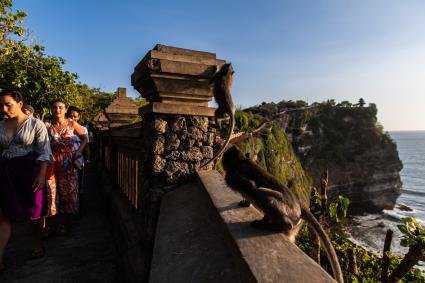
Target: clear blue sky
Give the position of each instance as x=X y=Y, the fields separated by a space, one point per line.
x=311 y=50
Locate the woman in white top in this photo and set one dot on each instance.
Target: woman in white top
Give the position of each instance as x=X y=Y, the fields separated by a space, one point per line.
x=24 y=155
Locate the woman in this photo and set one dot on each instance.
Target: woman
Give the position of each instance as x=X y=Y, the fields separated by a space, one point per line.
x=62 y=131
x=24 y=155
x=74 y=114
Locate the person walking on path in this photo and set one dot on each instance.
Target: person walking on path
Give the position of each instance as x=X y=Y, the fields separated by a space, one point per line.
x=24 y=155
x=74 y=114
x=61 y=132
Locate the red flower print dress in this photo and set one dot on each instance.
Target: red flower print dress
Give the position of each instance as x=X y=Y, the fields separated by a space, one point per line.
x=62 y=173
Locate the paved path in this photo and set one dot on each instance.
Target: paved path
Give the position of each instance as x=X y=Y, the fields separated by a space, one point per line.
x=86 y=255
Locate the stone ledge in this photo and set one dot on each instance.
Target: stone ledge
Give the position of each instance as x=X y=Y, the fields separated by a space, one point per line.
x=177 y=109
x=191 y=244
x=186 y=57
x=183 y=51
x=270 y=256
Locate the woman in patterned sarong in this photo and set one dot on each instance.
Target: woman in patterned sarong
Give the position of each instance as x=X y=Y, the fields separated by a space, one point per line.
x=24 y=156
x=61 y=132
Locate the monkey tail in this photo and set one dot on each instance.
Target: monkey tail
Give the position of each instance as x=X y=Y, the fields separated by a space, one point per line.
x=330 y=251
x=226 y=143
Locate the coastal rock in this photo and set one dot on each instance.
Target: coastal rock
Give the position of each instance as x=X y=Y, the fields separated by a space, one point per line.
x=368 y=191
x=361 y=158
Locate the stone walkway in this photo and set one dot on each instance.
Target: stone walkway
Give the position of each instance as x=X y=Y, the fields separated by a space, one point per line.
x=86 y=255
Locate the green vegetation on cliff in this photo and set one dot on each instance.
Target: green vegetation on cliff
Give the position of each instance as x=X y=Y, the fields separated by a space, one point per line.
x=337 y=133
x=273 y=151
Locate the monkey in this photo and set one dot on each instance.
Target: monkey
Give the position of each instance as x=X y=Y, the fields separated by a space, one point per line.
x=222 y=83
x=282 y=209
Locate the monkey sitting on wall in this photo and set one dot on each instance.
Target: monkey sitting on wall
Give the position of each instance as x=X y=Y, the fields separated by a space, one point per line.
x=222 y=83
x=282 y=209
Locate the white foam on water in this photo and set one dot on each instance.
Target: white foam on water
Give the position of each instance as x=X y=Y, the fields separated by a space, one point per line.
x=371 y=230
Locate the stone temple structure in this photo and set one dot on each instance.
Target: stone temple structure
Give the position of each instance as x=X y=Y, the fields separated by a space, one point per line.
x=122 y=111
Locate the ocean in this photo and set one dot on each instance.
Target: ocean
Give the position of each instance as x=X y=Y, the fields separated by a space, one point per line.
x=370 y=232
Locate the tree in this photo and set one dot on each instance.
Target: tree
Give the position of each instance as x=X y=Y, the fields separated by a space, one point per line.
x=94 y=101
x=25 y=67
x=10 y=25
x=345 y=103
x=330 y=102
x=361 y=102
x=40 y=78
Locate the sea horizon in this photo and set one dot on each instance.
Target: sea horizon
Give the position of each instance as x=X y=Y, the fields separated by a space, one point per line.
x=390 y=131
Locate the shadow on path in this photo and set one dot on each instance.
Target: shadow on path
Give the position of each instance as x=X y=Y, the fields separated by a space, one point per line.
x=86 y=255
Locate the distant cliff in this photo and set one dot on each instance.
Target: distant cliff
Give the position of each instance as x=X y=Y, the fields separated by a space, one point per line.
x=362 y=160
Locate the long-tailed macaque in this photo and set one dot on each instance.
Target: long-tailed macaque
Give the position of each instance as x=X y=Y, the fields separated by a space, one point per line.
x=222 y=83
x=282 y=209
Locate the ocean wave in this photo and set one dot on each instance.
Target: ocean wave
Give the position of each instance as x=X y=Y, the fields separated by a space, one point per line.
x=371 y=229
x=397 y=214
x=410 y=192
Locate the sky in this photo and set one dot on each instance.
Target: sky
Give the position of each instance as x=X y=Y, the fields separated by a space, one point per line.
x=281 y=50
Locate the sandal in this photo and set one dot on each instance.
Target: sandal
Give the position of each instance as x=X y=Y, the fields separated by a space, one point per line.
x=36 y=254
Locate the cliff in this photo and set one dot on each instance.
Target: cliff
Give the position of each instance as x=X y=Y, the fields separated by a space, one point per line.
x=362 y=159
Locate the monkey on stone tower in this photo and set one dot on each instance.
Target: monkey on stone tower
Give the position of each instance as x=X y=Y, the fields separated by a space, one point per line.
x=222 y=83
x=282 y=209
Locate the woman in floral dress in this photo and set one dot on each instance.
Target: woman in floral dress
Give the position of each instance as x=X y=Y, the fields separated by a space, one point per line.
x=62 y=132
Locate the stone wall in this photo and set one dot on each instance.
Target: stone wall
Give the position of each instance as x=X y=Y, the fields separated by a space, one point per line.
x=182 y=143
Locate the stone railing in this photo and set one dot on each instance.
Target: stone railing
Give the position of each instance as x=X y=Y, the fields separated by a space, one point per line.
x=141 y=162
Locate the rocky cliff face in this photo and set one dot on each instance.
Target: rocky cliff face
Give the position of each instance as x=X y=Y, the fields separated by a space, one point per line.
x=362 y=160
